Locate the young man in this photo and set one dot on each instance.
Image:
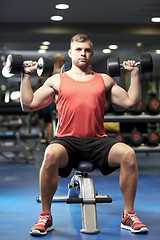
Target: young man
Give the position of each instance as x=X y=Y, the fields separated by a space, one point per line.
x=80 y=99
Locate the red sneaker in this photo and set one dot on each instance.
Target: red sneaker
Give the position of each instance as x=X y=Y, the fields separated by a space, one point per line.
x=43 y=225
x=132 y=223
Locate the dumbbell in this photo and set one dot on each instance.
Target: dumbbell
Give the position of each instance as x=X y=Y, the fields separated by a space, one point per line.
x=15 y=65
x=154 y=106
x=150 y=138
x=153 y=138
x=119 y=137
x=114 y=66
x=136 y=138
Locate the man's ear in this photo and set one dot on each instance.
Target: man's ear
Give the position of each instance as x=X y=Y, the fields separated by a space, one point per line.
x=92 y=53
x=70 y=53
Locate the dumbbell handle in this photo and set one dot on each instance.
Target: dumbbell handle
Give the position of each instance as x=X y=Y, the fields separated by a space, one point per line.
x=137 y=64
x=39 y=65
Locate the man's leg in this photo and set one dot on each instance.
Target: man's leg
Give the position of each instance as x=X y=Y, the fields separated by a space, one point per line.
x=55 y=157
x=124 y=156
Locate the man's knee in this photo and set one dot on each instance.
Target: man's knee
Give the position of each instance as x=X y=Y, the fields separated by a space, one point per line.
x=129 y=158
x=55 y=157
x=122 y=155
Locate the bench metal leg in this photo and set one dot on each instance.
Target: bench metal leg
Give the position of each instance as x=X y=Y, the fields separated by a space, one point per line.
x=82 y=190
x=89 y=212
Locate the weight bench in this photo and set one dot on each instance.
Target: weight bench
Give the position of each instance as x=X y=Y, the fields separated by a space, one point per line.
x=81 y=190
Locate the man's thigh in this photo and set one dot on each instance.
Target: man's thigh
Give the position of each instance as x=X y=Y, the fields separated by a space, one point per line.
x=117 y=152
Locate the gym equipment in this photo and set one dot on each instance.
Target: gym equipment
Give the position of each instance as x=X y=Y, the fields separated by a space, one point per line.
x=120 y=137
x=114 y=66
x=136 y=138
x=82 y=190
x=154 y=106
x=15 y=65
x=20 y=151
x=139 y=108
x=153 y=138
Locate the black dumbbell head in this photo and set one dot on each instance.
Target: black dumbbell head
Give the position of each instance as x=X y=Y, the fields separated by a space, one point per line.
x=154 y=106
x=14 y=63
x=136 y=138
x=113 y=67
x=153 y=138
x=146 y=63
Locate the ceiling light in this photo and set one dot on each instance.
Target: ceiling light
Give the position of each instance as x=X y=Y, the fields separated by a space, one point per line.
x=139 y=44
x=106 y=50
x=47 y=43
x=113 y=46
x=62 y=6
x=157 y=51
x=155 y=19
x=56 y=18
x=42 y=51
x=43 y=47
x=3 y=87
x=2 y=58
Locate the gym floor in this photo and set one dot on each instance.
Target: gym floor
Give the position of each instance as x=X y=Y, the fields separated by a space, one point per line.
x=19 y=209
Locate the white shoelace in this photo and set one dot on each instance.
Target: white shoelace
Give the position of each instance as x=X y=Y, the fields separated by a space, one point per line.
x=134 y=218
x=42 y=220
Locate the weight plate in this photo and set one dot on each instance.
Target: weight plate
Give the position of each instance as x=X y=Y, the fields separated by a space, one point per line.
x=153 y=138
x=113 y=67
x=14 y=63
x=40 y=66
x=6 y=73
x=146 y=63
x=45 y=67
x=154 y=106
x=136 y=138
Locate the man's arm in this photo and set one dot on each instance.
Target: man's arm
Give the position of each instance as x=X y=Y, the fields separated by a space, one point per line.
x=42 y=97
x=117 y=95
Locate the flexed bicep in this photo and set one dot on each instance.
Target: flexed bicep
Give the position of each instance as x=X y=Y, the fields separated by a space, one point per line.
x=119 y=97
x=42 y=97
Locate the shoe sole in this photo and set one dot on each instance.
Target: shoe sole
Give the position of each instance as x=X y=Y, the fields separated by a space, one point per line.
x=142 y=230
x=36 y=232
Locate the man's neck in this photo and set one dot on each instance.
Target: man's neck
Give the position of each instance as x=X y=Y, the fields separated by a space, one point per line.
x=81 y=71
x=80 y=75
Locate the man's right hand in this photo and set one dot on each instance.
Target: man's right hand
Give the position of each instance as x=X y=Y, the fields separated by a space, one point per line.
x=30 y=66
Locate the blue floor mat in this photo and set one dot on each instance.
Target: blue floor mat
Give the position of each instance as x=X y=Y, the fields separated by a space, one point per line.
x=19 y=209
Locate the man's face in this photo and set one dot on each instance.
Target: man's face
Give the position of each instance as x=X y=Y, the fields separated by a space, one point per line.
x=81 y=53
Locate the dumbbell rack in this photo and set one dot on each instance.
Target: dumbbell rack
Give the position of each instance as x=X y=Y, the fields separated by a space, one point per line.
x=128 y=117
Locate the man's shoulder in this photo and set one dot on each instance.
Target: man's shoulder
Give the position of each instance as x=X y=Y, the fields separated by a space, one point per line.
x=108 y=81
x=54 y=79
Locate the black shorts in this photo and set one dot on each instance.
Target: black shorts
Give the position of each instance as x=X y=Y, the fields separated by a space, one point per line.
x=86 y=149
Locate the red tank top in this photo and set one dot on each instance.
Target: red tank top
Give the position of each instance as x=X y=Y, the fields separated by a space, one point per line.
x=80 y=106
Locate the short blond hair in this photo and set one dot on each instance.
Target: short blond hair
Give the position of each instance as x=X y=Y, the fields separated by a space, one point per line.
x=81 y=37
